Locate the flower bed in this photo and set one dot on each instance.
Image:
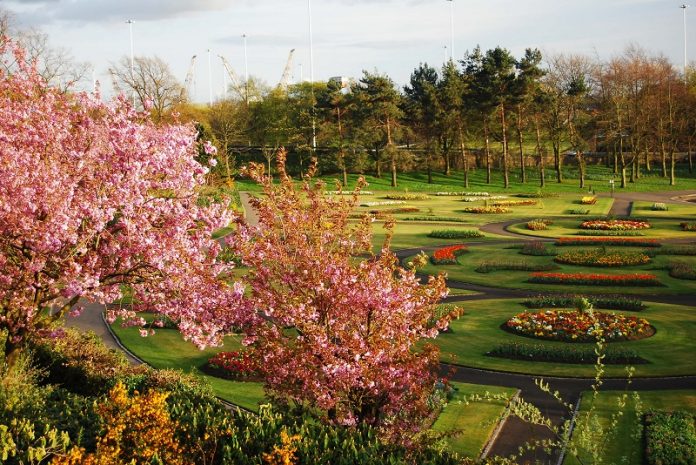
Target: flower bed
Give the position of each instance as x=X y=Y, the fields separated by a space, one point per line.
x=615 y=241
x=539 y=225
x=670 y=438
x=599 y=232
x=615 y=225
x=462 y=194
x=576 y=355
x=448 y=255
x=450 y=219
x=588 y=200
x=682 y=270
x=233 y=365
x=687 y=226
x=578 y=326
x=490 y=210
x=455 y=234
x=579 y=211
x=537 y=249
x=514 y=203
x=382 y=203
x=476 y=199
x=488 y=266
x=408 y=196
x=566 y=301
x=603 y=258
x=391 y=211
x=595 y=279
x=659 y=207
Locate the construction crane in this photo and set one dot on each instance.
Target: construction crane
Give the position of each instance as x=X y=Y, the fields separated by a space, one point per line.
x=189 y=88
x=285 y=78
x=234 y=79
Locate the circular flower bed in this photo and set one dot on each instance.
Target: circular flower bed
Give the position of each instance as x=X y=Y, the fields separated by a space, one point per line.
x=615 y=225
x=603 y=258
x=577 y=326
x=233 y=365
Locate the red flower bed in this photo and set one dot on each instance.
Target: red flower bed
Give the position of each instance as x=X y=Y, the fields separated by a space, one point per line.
x=577 y=326
x=615 y=225
x=595 y=279
x=448 y=255
x=615 y=241
x=234 y=365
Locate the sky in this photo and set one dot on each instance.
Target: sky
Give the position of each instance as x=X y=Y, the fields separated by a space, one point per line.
x=348 y=35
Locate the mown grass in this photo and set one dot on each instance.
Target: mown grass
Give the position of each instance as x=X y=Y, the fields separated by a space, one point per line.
x=623 y=444
x=661 y=228
x=475 y=419
x=669 y=351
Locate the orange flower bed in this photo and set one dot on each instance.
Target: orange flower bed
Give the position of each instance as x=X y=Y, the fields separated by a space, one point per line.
x=595 y=279
x=448 y=255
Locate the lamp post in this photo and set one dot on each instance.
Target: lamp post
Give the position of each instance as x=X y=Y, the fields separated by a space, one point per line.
x=246 y=70
x=451 y=2
x=132 y=58
x=446 y=57
x=684 y=6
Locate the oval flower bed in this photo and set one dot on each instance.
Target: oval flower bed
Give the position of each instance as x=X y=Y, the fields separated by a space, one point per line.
x=595 y=279
x=615 y=225
x=240 y=365
x=601 y=257
x=448 y=255
x=493 y=210
x=577 y=326
x=514 y=203
x=615 y=241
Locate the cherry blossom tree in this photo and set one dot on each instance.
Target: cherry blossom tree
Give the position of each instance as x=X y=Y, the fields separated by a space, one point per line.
x=339 y=325
x=94 y=197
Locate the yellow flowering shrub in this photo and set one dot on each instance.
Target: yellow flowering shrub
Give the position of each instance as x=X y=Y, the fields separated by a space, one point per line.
x=285 y=453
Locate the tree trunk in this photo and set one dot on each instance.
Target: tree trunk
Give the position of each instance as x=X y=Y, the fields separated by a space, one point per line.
x=465 y=159
x=542 y=162
x=488 y=150
x=378 y=166
x=506 y=168
x=557 y=161
x=672 y=163
x=392 y=153
x=581 y=167
x=523 y=172
x=663 y=158
x=688 y=154
x=648 y=158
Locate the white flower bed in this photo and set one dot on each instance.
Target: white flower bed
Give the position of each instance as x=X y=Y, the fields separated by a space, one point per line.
x=382 y=203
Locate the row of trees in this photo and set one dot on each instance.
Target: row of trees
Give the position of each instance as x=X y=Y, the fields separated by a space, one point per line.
x=490 y=110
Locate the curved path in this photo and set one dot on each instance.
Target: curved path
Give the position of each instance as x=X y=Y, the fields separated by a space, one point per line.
x=514 y=433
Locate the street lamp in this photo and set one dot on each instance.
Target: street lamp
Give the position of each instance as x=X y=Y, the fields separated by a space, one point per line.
x=132 y=59
x=684 y=6
x=451 y=2
x=246 y=70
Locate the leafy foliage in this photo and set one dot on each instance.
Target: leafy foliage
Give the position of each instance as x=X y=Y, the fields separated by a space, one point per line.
x=571 y=301
x=456 y=234
x=555 y=354
x=670 y=438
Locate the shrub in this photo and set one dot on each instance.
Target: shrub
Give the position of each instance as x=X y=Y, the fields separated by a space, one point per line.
x=670 y=438
x=555 y=354
x=687 y=226
x=362 y=192
x=456 y=234
x=488 y=266
x=659 y=206
x=487 y=210
x=448 y=255
x=567 y=301
x=600 y=232
x=607 y=241
x=689 y=250
x=453 y=219
x=615 y=225
x=579 y=326
x=681 y=270
x=537 y=248
x=407 y=196
x=588 y=200
x=603 y=258
x=594 y=279
x=579 y=211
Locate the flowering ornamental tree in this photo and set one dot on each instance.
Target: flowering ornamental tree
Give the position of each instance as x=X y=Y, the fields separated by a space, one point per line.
x=94 y=197
x=337 y=332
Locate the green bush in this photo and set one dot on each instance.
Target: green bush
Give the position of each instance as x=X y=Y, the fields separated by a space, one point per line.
x=555 y=354
x=456 y=234
x=571 y=301
x=579 y=211
x=674 y=250
x=538 y=248
x=488 y=266
x=451 y=219
x=670 y=438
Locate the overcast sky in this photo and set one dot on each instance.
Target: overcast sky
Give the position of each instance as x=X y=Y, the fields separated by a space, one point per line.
x=349 y=35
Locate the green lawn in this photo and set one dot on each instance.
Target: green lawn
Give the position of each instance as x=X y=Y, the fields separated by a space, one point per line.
x=623 y=444
x=670 y=351
x=464 y=271
x=678 y=211
x=476 y=419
